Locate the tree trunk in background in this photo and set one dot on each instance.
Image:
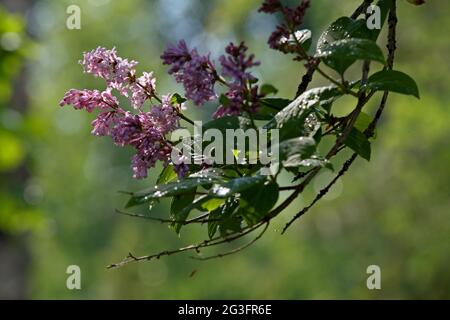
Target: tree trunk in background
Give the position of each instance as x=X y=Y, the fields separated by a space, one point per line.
x=14 y=254
x=14 y=261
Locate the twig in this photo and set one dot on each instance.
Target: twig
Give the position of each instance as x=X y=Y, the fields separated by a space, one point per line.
x=196 y=247
x=322 y=192
x=245 y=246
x=200 y=219
x=361 y=9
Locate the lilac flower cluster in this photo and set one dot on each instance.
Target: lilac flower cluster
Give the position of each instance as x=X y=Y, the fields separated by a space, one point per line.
x=194 y=71
x=145 y=131
x=89 y=99
x=120 y=75
x=198 y=75
x=106 y=64
x=293 y=19
x=243 y=93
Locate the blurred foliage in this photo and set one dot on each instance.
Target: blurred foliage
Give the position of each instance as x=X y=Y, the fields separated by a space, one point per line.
x=16 y=213
x=392 y=212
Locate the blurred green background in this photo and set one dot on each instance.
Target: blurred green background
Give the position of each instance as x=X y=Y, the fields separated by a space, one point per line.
x=58 y=187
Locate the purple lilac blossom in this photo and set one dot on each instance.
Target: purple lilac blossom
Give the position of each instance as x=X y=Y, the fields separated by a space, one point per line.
x=236 y=63
x=176 y=56
x=194 y=71
x=270 y=6
x=293 y=19
x=105 y=121
x=142 y=89
x=145 y=131
x=242 y=94
x=164 y=116
x=89 y=99
x=106 y=64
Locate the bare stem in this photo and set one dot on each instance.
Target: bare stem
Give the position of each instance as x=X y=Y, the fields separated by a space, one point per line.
x=245 y=246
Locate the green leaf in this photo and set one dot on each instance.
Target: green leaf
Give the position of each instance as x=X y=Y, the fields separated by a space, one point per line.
x=276 y=103
x=232 y=223
x=314 y=161
x=359 y=143
x=269 y=108
x=184 y=207
x=227 y=122
x=223 y=99
x=255 y=202
x=299 y=152
x=267 y=89
x=186 y=185
x=363 y=121
x=291 y=120
x=210 y=173
x=343 y=28
x=341 y=54
x=264 y=113
x=167 y=174
x=326 y=96
x=393 y=81
x=220 y=216
x=212 y=204
x=225 y=190
x=177 y=99
x=178 y=207
x=293 y=151
x=302 y=38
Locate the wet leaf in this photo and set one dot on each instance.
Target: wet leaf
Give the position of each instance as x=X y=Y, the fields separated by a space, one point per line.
x=341 y=54
x=393 y=81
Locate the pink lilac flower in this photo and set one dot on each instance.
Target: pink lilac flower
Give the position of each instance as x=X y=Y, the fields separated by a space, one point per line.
x=127 y=130
x=280 y=32
x=139 y=166
x=295 y=16
x=293 y=19
x=104 y=122
x=164 y=116
x=146 y=133
x=146 y=158
x=176 y=56
x=106 y=64
x=181 y=170
x=270 y=6
x=194 y=71
x=198 y=82
x=89 y=99
x=236 y=63
x=242 y=94
x=142 y=89
x=239 y=100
